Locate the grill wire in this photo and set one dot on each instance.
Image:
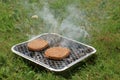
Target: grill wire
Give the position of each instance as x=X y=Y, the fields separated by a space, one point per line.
x=77 y=51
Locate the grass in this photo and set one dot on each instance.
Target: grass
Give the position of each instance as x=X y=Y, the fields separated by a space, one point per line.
x=104 y=16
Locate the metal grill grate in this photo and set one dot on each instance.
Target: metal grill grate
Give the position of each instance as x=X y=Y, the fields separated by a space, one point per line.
x=79 y=51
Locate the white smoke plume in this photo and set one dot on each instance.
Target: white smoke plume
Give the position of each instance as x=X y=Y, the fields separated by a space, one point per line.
x=74 y=25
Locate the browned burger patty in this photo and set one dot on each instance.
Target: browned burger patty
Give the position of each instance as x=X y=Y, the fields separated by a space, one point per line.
x=57 y=53
x=37 y=44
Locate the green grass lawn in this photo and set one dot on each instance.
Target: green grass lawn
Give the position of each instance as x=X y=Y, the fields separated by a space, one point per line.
x=16 y=25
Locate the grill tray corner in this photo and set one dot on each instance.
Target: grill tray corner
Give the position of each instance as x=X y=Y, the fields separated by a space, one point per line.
x=79 y=51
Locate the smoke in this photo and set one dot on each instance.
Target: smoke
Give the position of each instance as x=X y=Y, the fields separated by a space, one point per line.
x=49 y=19
x=74 y=25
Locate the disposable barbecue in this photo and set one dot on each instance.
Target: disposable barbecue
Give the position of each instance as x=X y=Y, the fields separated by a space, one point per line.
x=78 y=52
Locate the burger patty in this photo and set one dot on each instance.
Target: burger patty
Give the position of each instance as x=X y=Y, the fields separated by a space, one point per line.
x=37 y=44
x=57 y=53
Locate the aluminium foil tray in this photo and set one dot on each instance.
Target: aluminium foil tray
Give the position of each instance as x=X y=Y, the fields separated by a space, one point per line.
x=79 y=51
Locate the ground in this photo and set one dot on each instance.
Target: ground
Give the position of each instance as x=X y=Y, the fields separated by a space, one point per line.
x=104 y=19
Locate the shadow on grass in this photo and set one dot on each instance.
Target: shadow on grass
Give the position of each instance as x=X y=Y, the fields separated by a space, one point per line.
x=67 y=74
